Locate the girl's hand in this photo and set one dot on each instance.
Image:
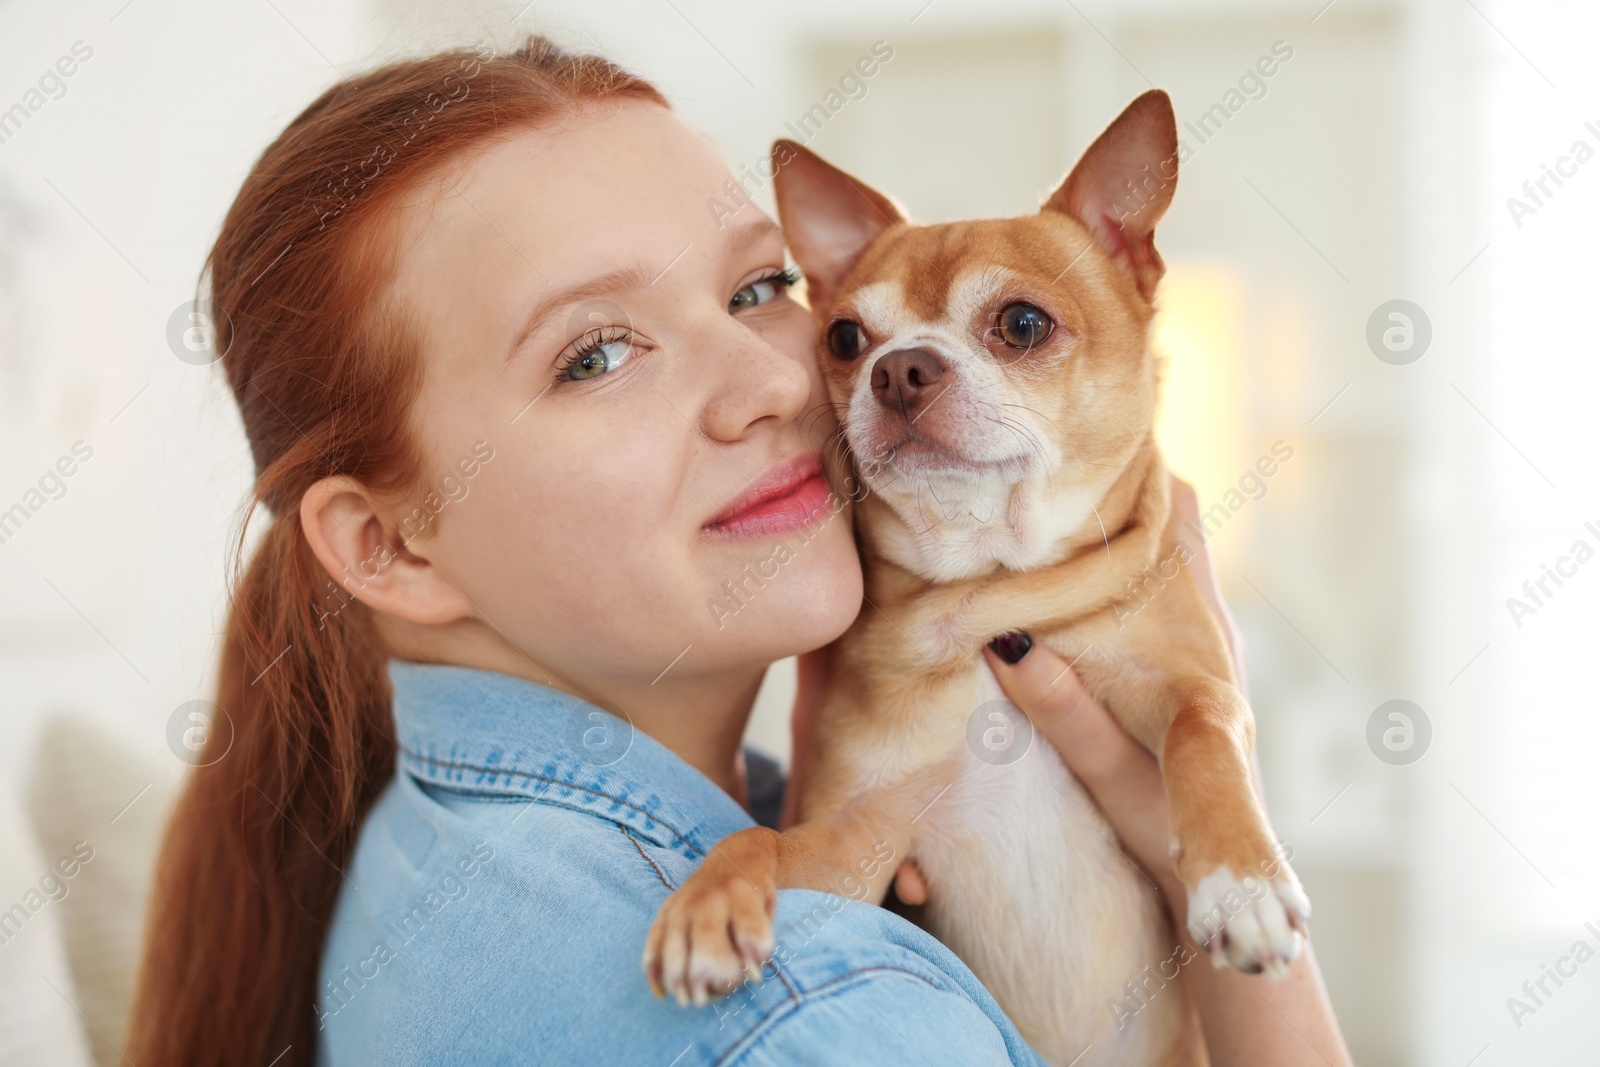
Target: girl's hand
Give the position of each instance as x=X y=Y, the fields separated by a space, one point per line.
x=1240 y=1014
x=811 y=676
x=1123 y=777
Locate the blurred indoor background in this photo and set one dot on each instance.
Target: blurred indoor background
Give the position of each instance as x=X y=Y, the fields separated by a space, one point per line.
x=1440 y=448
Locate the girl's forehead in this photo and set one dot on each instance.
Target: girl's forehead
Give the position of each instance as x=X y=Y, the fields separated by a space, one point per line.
x=606 y=164
x=612 y=182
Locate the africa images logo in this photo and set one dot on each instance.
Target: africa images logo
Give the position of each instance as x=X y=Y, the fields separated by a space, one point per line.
x=1537 y=591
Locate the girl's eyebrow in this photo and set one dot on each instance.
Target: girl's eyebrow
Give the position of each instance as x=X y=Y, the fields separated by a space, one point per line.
x=633 y=277
x=753 y=234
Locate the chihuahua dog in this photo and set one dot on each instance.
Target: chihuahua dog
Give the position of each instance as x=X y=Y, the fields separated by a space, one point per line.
x=999 y=375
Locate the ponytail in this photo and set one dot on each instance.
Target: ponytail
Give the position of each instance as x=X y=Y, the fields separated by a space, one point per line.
x=256 y=851
x=325 y=373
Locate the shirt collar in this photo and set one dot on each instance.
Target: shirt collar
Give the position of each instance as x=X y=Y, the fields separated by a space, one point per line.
x=492 y=734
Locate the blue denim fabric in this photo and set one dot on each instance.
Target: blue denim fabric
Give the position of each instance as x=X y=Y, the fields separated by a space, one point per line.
x=496 y=907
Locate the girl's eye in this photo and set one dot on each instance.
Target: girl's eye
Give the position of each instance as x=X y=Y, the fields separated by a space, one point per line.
x=596 y=355
x=763 y=289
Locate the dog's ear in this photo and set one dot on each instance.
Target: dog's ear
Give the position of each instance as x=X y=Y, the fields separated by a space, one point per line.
x=828 y=217
x=1123 y=184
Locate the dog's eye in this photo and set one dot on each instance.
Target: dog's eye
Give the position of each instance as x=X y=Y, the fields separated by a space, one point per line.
x=846 y=339
x=1023 y=325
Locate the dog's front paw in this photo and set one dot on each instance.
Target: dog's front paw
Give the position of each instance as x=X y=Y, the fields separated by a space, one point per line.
x=1253 y=922
x=716 y=930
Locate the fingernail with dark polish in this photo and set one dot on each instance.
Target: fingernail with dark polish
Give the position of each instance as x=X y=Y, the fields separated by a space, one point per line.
x=1012 y=647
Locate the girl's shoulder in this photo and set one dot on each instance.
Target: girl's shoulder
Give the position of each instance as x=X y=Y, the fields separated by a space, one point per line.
x=480 y=927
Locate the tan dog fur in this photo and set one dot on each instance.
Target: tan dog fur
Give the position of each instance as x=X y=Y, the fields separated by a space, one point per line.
x=1028 y=494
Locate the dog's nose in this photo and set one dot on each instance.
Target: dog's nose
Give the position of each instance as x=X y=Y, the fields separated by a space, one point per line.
x=908 y=380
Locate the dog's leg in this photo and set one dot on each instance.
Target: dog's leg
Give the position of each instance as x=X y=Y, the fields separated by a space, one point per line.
x=958 y=618
x=1244 y=901
x=716 y=929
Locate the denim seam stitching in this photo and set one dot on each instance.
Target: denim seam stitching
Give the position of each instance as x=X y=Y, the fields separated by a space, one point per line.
x=768 y=1022
x=556 y=781
x=794 y=994
x=877 y=967
x=653 y=865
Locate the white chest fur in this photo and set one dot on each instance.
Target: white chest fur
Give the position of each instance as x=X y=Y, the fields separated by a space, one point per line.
x=1030 y=888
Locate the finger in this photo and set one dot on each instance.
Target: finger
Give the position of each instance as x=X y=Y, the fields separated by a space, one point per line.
x=1044 y=686
x=811 y=681
x=1182 y=527
x=1184 y=522
x=811 y=673
x=1185 y=503
x=910 y=886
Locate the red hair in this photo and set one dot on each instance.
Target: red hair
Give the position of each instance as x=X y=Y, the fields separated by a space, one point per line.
x=325 y=374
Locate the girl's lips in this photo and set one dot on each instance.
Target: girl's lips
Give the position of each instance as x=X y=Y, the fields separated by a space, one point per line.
x=790 y=497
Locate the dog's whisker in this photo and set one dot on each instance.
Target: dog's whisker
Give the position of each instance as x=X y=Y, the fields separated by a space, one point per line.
x=1029 y=440
x=1103 y=533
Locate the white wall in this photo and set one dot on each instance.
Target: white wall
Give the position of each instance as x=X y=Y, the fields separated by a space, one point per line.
x=1376 y=166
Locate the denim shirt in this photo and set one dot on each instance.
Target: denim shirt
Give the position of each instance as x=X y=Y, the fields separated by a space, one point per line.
x=496 y=907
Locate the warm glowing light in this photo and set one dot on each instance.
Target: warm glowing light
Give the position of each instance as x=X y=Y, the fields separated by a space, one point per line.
x=1200 y=334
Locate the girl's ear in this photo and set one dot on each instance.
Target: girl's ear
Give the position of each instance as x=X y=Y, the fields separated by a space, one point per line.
x=828 y=217
x=371 y=562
